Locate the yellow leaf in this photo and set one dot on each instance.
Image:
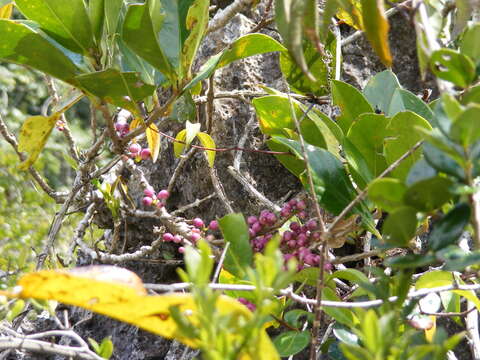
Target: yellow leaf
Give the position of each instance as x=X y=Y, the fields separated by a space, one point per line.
x=6 y=11
x=352 y=16
x=178 y=146
x=430 y=333
x=376 y=29
x=208 y=142
x=119 y=293
x=136 y=122
x=34 y=135
x=153 y=139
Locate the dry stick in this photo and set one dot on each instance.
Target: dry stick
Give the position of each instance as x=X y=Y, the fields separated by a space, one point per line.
x=224 y=16
x=220 y=262
x=194 y=204
x=217 y=185
x=59 y=197
x=66 y=129
x=363 y=193
x=318 y=311
x=178 y=169
x=355 y=257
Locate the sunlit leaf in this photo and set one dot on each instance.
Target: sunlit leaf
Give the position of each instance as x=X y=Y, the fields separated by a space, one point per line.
x=179 y=145
x=34 y=135
x=207 y=142
x=387 y=193
x=447 y=64
x=153 y=139
x=291 y=342
x=6 y=11
x=380 y=89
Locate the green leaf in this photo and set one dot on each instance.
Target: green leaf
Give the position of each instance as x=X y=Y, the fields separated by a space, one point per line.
x=429 y=194
x=457 y=259
x=245 y=46
x=289 y=19
x=344 y=334
x=380 y=89
x=123 y=89
x=352 y=275
x=291 y=342
x=22 y=45
x=367 y=134
x=405 y=100
x=470 y=46
x=351 y=101
x=343 y=316
x=196 y=23
x=96 y=12
x=184 y=108
x=106 y=348
x=387 y=193
x=452 y=66
x=139 y=34
x=320 y=67
x=308 y=276
x=329 y=171
x=274 y=115
x=371 y=331
x=293 y=164
x=207 y=141
x=410 y=261
x=400 y=226
x=442 y=161
x=471 y=95
x=174 y=30
x=466 y=128
x=112 y=10
x=376 y=29
x=239 y=254
x=402 y=135
x=447 y=231
x=420 y=171
x=295 y=317
x=69 y=25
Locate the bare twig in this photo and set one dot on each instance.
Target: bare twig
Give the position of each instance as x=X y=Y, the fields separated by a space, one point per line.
x=217 y=185
x=223 y=17
x=355 y=257
x=194 y=204
x=220 y=263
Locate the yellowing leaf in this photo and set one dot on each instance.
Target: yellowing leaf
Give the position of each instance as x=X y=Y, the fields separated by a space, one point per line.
x=430 y=333
x=136 y=122
x=376 y=28
x=352 y=16
x=6 y=11
x=119 y=293
x=179 y=146
x=153 y=139
x=34 y=135
x=192 y=131
x=208 y=142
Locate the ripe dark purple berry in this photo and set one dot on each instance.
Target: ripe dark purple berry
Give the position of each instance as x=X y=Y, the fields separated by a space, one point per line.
x=294 y=226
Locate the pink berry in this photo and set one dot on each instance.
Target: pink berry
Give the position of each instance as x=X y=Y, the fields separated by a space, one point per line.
x=177 y=239
x=328 y=266
x=285 y=212
x=163 y=194
x=160 y=204
x=292 y=243
x=121 y=126
x=213 y=225
x=257 y=227
x=147 y=201
x=168 y=237
x=194 y=237
x=252 y=220
x=135 y=148
x=302 y=215
x=311 y=224
x=287 y=236
x=145 y=154
x=149 y=192
x=251 y=233
x=293 y=202
x=181 y=250
x=301 y=205
x=271 y=218
x=198 y=223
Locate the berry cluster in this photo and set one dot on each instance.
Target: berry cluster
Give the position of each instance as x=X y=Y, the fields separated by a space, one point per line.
x=122 y=127
x=154 y=199
x=137 y=153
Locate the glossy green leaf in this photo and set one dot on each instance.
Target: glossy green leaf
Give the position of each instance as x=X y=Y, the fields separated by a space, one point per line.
x=320 y=67
x=371 y=331
x=376 y=29
x=429 y=194
x=410 y=261
x=470 y=46
x=96 y=13
x=380 y=89
x=452 y=66
x=22 y=45
x=289 y=17
x=293 y=164
x=184 y=108
x=174 y=32
x=466 y=128
x=196 y=24
x=291 y=342
x=420 y=171
x=471 y=95
x=123 y=89
x=400 y=226
x=245 y=46
x=456 y=259
x=207 y=142
x=112 y=10
x=402 y=135
x=367 y=134
x=274 y=115
x=139 y=34
x=442 y=161
x=345 y=334
x=308 y=275
x=387 y=193
x=357 y=165
x=132 y=62
x=69 y=25
x=405 y=100
x=447 y=231
x=239 y=254
x=351 y=101
x=343 y=316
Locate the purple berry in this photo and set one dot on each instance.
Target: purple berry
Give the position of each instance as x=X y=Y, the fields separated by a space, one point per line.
x=163 y=194
x=257 y=227
x=134 y=148
x=251 y=233
x=301 y=205
x=302 y=215
x=311 y=224
x=160 y=204
x=285 y=213
x=292 y=243
x=293 y=203
x=121 y=126
x=252 y=220
x=287 y=236
x=198 y=223
x=213 y=225
x=263 y=220
x=145 y=154
x=168 y=237
x=295 y=227
x=271 y=219
x=149 y=192
x=147 y=201
x=316 y=236
x=327 y=266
